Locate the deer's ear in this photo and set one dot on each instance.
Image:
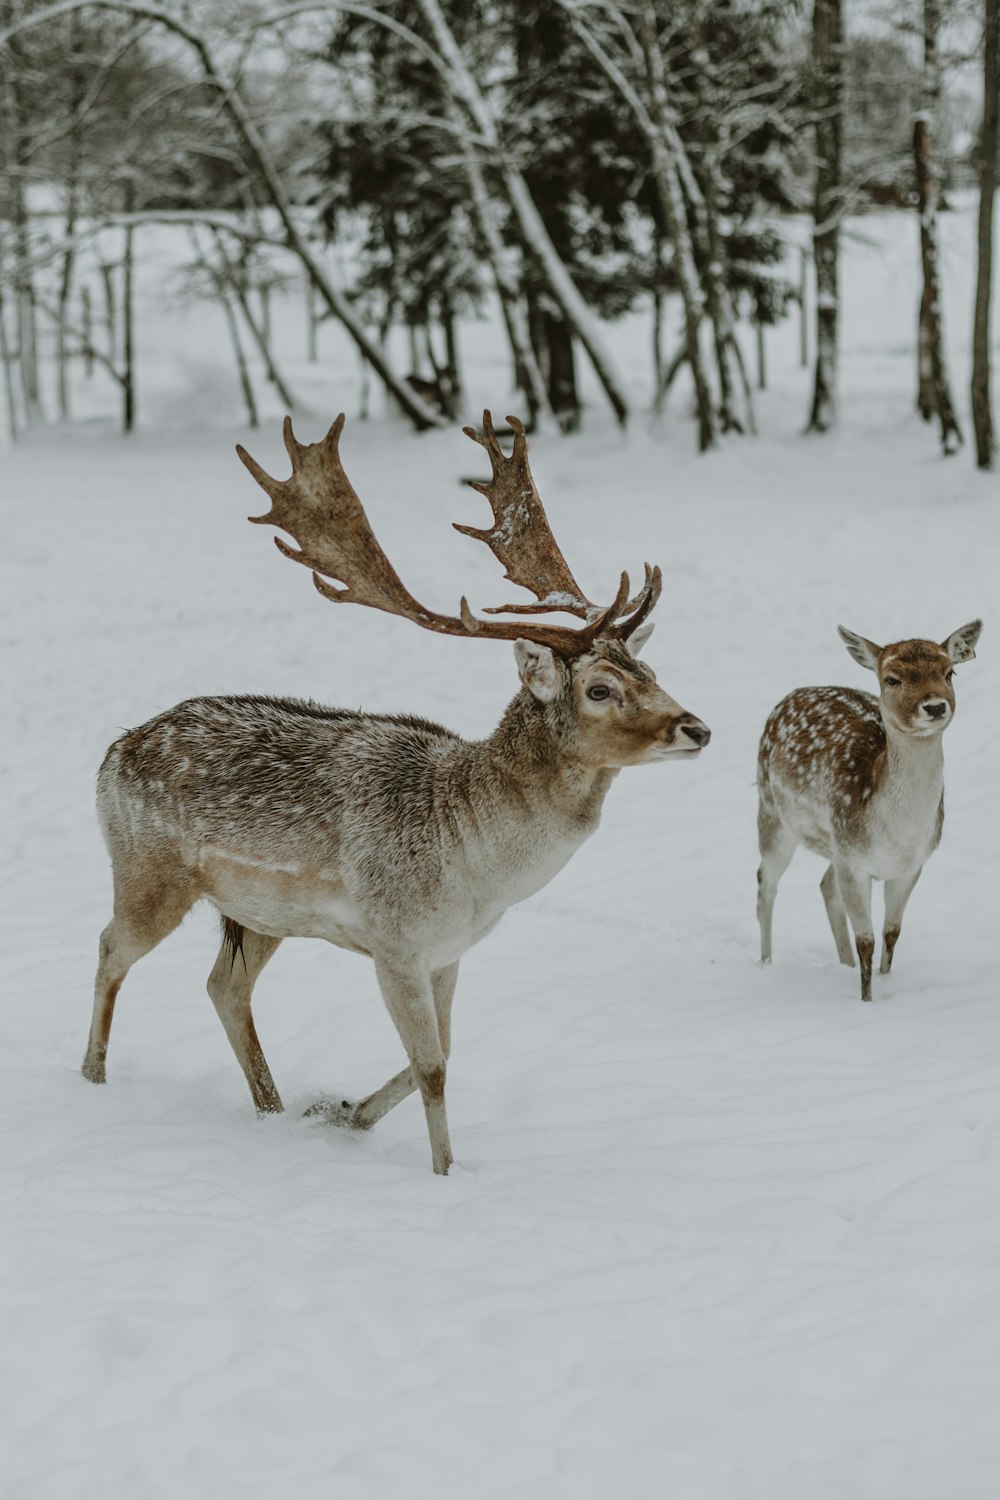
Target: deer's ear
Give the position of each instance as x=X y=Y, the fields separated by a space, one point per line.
x=866 y=653
x=540 y=672
x=961 y=644
x=638 y=639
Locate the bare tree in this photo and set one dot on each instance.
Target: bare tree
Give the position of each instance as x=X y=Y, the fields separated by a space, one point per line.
x=236 y=110
x=935 y=390
x=989 y=161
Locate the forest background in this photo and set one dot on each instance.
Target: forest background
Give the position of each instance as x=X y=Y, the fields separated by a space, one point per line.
x=407 y=165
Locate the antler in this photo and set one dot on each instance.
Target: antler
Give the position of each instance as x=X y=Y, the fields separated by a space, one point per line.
x=319 y=508
x=521 y=538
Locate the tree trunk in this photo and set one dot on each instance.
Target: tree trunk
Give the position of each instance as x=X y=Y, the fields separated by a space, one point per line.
x=668 y=377
x=703 y=196
x=454 y=368
x=931 y=340
x=76 y=94
x=657 y=307
x=930 y=303
x=26 y=308
x=87 y=323
x=225 y=280
x=719 y=302
x=65 y=292
x=926 y=403
x=110 y=308
x=828 y=63
x=671 y=200
x=8 y=373
x=562 y=373
x=246 y=385
x=128 y=319
x=982 y=413
x=675 y=222
x=312 y=321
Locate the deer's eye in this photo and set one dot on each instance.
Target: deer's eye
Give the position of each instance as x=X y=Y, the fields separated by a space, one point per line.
x=598 y=692
x=891 y=681
x=949 y=675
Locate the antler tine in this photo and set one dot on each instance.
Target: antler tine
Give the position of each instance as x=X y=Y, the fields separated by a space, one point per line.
x=293 y=447
x=270 y=486
x=646 y=599
x=601 y=624
x=638 y=598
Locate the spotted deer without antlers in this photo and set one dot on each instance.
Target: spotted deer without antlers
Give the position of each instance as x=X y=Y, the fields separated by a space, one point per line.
x=386 y=835
x=860 y=781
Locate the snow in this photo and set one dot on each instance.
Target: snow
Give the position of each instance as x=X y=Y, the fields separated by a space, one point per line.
x=715 y=1231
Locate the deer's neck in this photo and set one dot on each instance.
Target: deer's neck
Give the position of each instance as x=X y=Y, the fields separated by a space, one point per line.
x=913 y=768
x=530 y=759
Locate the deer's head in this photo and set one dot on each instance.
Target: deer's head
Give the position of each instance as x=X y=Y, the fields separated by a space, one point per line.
x=607 y=705
x=915 y=678
x=589 y=676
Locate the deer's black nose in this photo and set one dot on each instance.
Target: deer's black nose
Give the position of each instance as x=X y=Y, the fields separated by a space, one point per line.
x=700 y=733
x=936 y=710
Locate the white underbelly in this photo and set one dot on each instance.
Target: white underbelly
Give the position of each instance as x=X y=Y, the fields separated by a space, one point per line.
x=282 y=900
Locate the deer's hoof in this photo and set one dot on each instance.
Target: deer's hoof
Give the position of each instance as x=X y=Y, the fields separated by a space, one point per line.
x=332 y=1110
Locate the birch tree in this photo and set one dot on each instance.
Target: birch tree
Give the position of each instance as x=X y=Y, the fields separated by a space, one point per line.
x=828 y=204
x=935 y=389
x=989 y=164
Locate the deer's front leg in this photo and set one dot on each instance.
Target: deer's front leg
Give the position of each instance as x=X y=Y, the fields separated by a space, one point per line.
x=856 y=893
x=409 y=996
x=897 y=893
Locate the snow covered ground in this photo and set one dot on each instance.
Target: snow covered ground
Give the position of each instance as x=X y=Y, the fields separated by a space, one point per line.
x=715 y=1232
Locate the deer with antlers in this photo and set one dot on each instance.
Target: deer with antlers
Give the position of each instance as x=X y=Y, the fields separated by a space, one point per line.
x=860 y=781
x=388 y=836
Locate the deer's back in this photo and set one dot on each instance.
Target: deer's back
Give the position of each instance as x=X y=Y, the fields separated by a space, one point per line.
x=820 y=759
x=272 y=778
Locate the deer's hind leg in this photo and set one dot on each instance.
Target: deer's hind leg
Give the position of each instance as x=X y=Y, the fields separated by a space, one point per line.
x=777 y=845
x=856 y=893
x=147 y=909
x=838 y=916
x=241 y=957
